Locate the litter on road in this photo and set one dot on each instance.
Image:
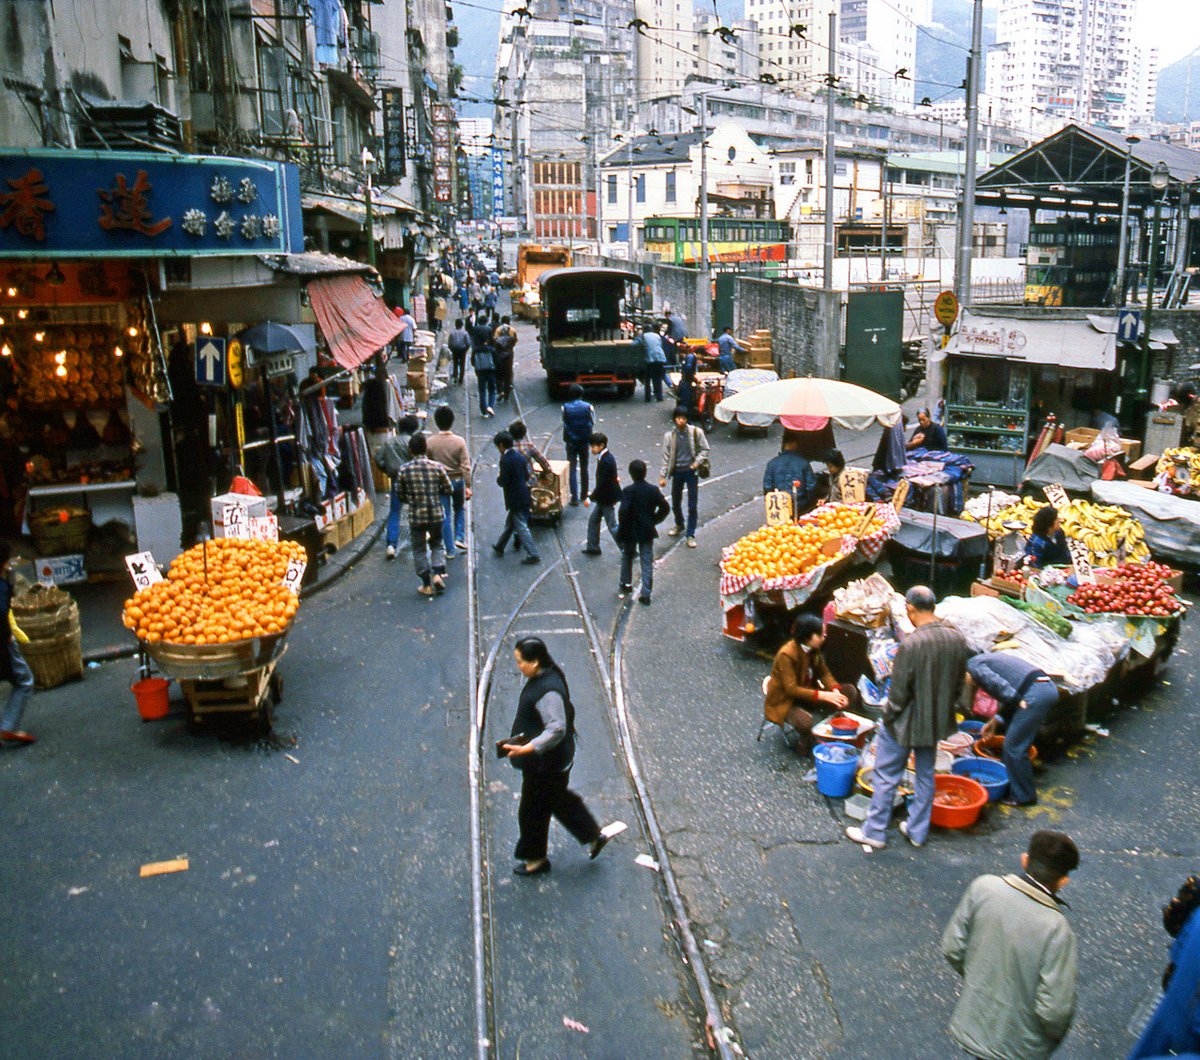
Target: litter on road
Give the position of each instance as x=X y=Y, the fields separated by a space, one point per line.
x=161 y=868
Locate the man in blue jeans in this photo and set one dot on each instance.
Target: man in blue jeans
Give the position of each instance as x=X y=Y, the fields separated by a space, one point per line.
x=513 y=480
x=1026 y=696
x=928 y=680
x=391 y=457
x=642 y=508
x=579 y=420
x=450 y=450
x=13 y=667
x=685 y=448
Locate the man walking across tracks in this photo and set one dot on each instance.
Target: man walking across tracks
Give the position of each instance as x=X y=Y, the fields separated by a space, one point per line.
x=513 y=480
x=927 y=683
x=421 y=484
x=606 y=495
x=504 y=341
x=484 y=362
x=685 y=455
x=459 y=342
x=390 y=457
x=1015 y=950
x=579 y=420
x=450 y=450
x=642 y=508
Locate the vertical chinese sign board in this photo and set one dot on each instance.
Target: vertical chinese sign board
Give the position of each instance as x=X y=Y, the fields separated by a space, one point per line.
x=443 y=153
x=393 y=135
x=497 y=182
x=129 y=204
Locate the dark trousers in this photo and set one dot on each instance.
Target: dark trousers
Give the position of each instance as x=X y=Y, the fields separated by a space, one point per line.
x=601 y=512
x=578 y=453
x=504 y=376
x=459 y=358
x=544 y=796
x=680 y=479
x=654 y=379
x=1019 y=737
x=645 y=550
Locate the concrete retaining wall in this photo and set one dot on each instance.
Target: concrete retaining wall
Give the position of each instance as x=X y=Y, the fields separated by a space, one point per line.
x=804 y=322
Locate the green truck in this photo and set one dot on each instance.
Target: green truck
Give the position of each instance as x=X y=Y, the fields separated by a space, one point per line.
x=589 y=319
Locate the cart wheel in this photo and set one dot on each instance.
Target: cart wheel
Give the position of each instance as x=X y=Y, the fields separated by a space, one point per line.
x=276 y=688
x=707 y=422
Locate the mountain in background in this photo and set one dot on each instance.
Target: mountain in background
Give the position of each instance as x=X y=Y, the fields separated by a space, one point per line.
x=939 y=61
x=1179 y=90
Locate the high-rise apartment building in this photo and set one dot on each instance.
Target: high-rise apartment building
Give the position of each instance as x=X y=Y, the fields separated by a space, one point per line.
x=664 y=47
x=889 y=29
x=791 y=40
x=1068 y=60
x=724 y=53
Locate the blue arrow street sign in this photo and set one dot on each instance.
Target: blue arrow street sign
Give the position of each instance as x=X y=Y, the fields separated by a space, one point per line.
x=1129 y=325
x=210 y=361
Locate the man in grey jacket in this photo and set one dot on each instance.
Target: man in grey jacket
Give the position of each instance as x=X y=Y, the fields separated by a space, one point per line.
x=1015 y=951
x=927 y=683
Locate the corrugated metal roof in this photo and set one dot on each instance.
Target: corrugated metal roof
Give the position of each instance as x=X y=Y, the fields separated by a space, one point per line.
x=313 y=263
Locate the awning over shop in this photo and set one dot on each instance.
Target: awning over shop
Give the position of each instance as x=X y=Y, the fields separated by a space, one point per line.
x=355 y=322
x=1065 y=343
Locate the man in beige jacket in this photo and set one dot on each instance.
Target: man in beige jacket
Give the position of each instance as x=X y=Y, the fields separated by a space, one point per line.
x=1015 y=950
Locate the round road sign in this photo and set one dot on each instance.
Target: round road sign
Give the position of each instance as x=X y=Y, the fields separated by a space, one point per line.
x=235 y=363
x=945 y=308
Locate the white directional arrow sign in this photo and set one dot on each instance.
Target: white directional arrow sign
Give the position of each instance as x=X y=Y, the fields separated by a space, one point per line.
x=1129 y=325
x=210 y=362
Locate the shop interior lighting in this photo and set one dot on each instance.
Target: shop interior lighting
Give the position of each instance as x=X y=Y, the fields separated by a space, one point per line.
x=60 y=357
x=22 y=314
x=1 y=322
x=12 y=292
x=206 y=328
x=61 y=371
x=5 y=350
x=118 y=352
x=132 y=331
x=38 y=336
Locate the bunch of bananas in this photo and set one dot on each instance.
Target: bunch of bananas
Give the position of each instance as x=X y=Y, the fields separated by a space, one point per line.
x=1166 y=463
x=1101 y=527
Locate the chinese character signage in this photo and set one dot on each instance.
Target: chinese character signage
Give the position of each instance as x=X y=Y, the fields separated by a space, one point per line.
x=443 y=153
x=129 y=204
x=394 y=135
x=497 y=183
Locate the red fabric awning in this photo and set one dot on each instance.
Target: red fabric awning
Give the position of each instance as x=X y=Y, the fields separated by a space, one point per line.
x=355 y=323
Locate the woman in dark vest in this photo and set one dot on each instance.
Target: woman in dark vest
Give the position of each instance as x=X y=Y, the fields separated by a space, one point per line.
x=542 y=747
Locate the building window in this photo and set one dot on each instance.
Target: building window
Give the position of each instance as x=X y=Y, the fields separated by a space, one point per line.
x=612 y=189
x=787 y=173
x=670 y=196
x=808 y=171
x=639 y=185
x=839 y=169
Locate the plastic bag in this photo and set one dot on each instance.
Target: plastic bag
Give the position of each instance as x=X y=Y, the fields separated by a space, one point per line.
x=1106 y=444
x=985 y=706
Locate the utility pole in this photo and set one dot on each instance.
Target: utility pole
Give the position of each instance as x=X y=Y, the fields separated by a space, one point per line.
x=705 y=280
x=830 y=151
x=1123 y=235
x=966 y=219
x=629 y=219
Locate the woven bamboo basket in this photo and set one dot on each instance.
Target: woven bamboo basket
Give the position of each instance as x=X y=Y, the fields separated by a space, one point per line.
x=54 y=535
x=50 y=619
x=207 y=662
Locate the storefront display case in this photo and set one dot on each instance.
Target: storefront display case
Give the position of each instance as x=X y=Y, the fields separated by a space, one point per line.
x=987 y=416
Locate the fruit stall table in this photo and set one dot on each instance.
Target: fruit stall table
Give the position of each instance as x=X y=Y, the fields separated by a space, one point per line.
x=219 y=621
x=776 y=569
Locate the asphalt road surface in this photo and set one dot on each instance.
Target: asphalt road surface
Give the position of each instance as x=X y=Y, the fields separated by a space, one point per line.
x=327 y=907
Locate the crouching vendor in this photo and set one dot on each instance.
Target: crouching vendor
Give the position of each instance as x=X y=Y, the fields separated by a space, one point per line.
x=800 y=681
x=1026 y=696
x=1047 y=545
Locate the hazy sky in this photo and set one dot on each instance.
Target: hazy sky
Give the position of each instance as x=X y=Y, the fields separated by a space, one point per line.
x=1173 y=25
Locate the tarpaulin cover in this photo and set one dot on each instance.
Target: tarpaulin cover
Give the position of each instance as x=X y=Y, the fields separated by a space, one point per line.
x=355 y=323
x=956 y=538
x=1067 y=467
x=1172 y=524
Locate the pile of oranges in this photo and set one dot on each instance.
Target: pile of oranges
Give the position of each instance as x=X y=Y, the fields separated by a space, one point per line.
x=242 y=595
x=793 y=548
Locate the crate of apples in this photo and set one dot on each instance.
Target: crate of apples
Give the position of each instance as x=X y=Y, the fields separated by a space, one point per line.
x=228 y=591
x=1133 y=589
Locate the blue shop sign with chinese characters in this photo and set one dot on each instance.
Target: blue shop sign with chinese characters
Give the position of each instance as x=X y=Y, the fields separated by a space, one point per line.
x=130 y=204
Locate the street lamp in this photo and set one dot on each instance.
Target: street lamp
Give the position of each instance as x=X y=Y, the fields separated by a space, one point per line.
x=1160 y=177
x=368 y=164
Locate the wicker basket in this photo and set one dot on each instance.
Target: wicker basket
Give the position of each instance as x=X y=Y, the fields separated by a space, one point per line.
x=59 y=531
x=207 y=662
x=50 y=619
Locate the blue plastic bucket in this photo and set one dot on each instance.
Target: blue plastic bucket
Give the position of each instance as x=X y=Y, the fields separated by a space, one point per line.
x=837 y=764
x=971 y=726
x=991 y=774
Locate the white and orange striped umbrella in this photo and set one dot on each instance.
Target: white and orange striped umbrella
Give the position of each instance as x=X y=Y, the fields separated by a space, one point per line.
x=809 y=404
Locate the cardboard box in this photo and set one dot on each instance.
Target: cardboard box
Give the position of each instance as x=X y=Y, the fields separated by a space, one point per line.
x=253 y=506
x=979 y=588
x=1082 y=437
x=61 y=570
x=341 y=506
x=1143 y=466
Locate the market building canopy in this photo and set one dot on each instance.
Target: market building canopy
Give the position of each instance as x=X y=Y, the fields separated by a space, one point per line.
x=353 y=319
x=1068 y=343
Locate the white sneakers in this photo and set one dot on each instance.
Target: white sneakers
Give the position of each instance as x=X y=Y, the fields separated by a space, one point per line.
x=857 y=835
x=391 y=552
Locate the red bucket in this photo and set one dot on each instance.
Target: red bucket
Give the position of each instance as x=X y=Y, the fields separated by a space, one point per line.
x=152 y=699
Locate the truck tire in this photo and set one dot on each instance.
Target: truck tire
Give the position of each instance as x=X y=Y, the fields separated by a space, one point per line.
x=626 y=390
x=554 y=388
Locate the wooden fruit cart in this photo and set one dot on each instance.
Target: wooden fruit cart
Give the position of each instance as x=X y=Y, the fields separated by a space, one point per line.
x=551 y=494
x=236 y=678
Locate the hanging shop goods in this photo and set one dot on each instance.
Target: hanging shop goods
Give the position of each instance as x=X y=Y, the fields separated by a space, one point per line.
x=1103 y=528
x=221 y=592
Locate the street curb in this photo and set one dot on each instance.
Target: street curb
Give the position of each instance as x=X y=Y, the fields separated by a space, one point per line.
x=355 y=552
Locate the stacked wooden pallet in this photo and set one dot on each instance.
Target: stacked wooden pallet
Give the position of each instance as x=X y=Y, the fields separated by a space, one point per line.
x=758 y=351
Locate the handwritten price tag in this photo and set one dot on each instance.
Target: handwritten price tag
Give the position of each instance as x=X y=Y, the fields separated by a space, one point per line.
x=263 y=528
x=143 y=570
x=778 y=506
x=295 y=574
x=235 y=520
x=1056 y=495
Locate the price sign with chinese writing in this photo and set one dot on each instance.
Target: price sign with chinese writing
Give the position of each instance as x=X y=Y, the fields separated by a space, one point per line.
x=1081 y=562
x=779 y=508
x=854 y=485
x=143 y=570
x=235 y=520
x=1056 y=495
x=263 y=528
x=295 y=574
